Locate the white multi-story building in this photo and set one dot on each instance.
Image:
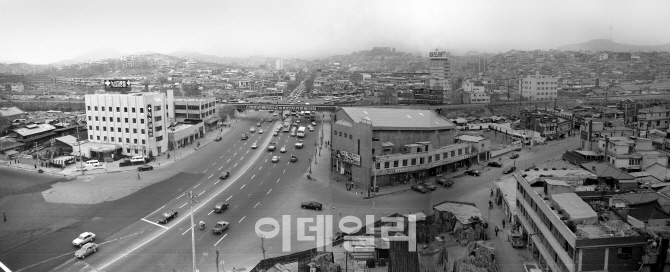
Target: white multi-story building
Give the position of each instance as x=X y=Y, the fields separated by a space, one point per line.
x=538 y=87
x=603 y=57
x=440 y=73
x=279 y=65
x=137 y=122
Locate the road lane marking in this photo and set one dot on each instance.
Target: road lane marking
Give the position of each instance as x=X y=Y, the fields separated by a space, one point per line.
x=242 y=158
x=210 y=176
x=226 y=161
x=213 y=163
x=203 y=192
x=236 y=207
x=252 y=177
x=235 y=154
x=260 y=168
x=188 y=229
x=197 y=186
x=183 y=205
x=178 y=197
x=243 y=186
x=205 y=171
x=158 y=234
x=210 y=212
x=242 y=219
x=257 y=204
x=154 y=223
x=235 y=165
x=284 y=171
x=222 y=157
x=228 y=149
x=160 y=208
x=247 y=151
x=278 y=180
x=221 y=239
x=222 y=166
x=228 y=198
x=269 y=192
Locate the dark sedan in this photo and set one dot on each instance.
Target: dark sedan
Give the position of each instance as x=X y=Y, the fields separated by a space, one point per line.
x=167 y=216
x=514 y=156
x=473 y=172
x=495 y=164
x=145 y=167
x=419 y=188
x=311 y=205
x=509 y=170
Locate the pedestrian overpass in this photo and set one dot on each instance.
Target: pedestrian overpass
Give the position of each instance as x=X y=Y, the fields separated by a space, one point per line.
x=295 y=107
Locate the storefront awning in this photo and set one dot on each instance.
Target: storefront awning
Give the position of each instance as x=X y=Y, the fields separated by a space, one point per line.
x=11 y=152
x=211 y=120
x=105 y=148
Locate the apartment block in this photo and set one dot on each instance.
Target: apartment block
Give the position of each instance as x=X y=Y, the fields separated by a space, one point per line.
x=631 y=154
x=538 y=87
x=654 y=118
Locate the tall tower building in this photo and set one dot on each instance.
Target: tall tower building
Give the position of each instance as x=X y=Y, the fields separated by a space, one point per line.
x=280 y=65
x=440 y=73
x=482 y=65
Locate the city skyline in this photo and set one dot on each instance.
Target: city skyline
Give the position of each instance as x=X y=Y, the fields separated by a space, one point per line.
x=42 y=32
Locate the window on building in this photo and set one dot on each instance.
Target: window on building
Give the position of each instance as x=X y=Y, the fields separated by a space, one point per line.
x=135 y=141
x=125 y=109
x=96 y=118
x=88 y=108
x=102 y=108
x=404 y=162
x=128 y=150
x=97 y=128
x=430 y=159
x=134 y=130
x=445 y=155
x=141 y=110
x=118 y=119
x=395 y=163
x=104 y=119
x=104 y=138
x=97 y=137
x=625 y=253
x=118 y=109
x=413 y=161
x=422 y=160
x=118 y=129
x=157 y=108
x=387 y=165
x=453 y=153
x=460 y=151
x=127 y=130
x=142 y=130
x=90 y=127
x=378 y=165
x=132 y=110
x=144 y=141
x=159 y=128
x=127 y=140
x=110 y=109
x=158 y=118
x=159 y=138
x=125 y=120
x=104 y=128
x=112 y=139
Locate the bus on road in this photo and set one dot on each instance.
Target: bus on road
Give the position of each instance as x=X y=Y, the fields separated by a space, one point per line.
x=301 y=132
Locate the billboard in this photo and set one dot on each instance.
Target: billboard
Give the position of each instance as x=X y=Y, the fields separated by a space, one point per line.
x=117 y=85
x=347 y=157
x=438 y=54
x=150 y=121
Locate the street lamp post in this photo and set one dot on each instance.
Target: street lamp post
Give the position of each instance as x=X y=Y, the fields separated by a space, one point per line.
x=191 y=200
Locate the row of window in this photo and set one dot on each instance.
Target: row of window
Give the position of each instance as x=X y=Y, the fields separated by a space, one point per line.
x=423 y=160
x=118 y=129
x=118 y=109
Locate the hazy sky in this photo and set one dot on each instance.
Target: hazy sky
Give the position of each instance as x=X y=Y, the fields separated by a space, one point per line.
x=45 y=31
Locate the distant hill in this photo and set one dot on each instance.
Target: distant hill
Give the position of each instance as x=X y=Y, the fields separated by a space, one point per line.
x=200 y=57
x=93 y=55
x=609 y=45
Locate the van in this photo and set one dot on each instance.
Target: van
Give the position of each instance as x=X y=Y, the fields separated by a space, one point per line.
x=93 y=163
x=136 y=159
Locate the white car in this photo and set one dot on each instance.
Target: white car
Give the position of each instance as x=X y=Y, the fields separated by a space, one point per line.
x=313 y=123
x=254 y=145
x=86 y=250
x=311 y=128
x=83 y=239
x=260 y=131
x=275 y=159
x=283 y=149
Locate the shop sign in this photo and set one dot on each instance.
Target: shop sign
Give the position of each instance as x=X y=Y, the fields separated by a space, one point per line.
x=347 y=157
x=150 y=121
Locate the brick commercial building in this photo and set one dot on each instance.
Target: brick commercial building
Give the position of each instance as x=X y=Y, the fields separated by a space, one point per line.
x=373 y=146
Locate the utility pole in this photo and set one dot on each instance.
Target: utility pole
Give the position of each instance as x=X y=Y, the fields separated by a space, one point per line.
x=81 y=160
x=191 y=200
x=262 y=246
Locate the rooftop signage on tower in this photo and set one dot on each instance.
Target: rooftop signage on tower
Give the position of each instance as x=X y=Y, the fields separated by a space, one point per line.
x=438 y=54
x=117 y=83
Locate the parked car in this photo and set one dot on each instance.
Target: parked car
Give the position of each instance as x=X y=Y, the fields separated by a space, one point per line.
x=495 y=164
x=145 y=167
x=509 y=170
x=220 y=227
x=311 y=205
x=419 y=188
x=220 y=207
x=430 y=186
x=313 y=123
x=93 y=163
x=86 y=250
x=514 y=156
x=167 y=216
x=218 y=138
x=473 y=172
x=83 y=239
x=275 y=159
x=445 y=182
x=337 y=236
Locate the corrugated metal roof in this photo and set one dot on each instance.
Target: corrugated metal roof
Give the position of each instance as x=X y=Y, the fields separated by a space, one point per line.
x=399 y=118
x=606 y=170
x=31 y=131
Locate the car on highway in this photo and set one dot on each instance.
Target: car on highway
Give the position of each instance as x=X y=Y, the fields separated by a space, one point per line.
x=218 y=138
x=220 y=227
x=86 y=250
x=258 y=124
x=283 y=149
x=145 y=167
x=252 y=130
x=430 y=186
x=254 y=145
x=509 y=170
x=514 y=156
x=473 y=172
x=294 y=158
x=220 y=207
x=311 y=205
x=260 y=131
x=445 y=182
x=83 y=239
x=244 y=136
x=419 y=188
x=311 y=128
x=167 y=216
x=495 y=164
x=313 y=123
x=299 y=144
x=275 y=159
x=272 y=146
x=275 y=133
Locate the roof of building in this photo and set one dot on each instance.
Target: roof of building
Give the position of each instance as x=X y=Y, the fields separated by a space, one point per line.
x=658 y=171
x=6 y=112
x=606 y=170
x=646 y=211
x=68 y=139
x=399 y=119
x=644 y=197
x=574 y=206
x=462 y=212
x=507 y=186
x=470 y=138
x=34 y=129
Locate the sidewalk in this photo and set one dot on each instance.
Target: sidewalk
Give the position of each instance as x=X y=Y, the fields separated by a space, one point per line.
x=113 y=167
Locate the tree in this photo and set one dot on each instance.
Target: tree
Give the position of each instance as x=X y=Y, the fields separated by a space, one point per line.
x=175 y=263
x=4 y=124
x=226 y=112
